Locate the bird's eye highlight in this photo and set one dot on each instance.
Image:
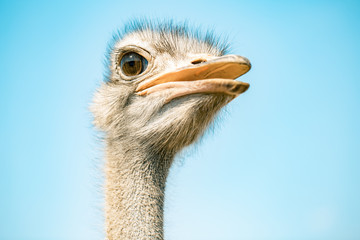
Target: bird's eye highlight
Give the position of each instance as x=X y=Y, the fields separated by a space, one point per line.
x=133 y=64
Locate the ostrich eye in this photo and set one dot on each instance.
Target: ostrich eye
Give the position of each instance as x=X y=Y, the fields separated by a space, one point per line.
x=133 y=64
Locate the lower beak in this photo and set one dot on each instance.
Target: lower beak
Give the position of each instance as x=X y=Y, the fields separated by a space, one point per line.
x=213 y=76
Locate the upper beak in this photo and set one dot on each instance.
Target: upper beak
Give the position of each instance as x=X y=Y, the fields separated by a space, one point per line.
x=212 y=76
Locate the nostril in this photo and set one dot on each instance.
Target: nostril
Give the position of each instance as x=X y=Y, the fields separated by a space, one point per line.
x=197 y=61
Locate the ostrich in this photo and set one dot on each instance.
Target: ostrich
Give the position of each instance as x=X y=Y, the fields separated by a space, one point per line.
x=165 y=84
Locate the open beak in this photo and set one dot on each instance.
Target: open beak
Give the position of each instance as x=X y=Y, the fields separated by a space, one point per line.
x=213 y=76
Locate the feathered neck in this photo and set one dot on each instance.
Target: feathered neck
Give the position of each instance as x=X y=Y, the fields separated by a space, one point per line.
x=134 y=191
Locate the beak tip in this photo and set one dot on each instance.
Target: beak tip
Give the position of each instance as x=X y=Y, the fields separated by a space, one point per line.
x=245 y=87
x=240 y=88
x=247 y=63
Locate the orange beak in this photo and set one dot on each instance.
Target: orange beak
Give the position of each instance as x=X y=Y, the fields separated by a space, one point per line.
x=214 y=76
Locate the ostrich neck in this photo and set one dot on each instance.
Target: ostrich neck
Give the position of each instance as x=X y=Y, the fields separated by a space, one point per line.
x=134 y=192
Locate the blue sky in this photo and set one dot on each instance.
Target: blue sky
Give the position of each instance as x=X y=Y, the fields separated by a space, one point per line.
x=283 y=162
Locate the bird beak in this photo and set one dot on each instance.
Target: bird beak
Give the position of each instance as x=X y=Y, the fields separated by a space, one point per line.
x=213 y=76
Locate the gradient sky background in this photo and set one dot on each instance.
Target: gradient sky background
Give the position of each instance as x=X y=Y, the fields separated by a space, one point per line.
x=284 y=162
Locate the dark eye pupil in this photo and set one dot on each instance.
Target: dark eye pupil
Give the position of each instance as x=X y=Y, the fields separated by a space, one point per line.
x=133 y=64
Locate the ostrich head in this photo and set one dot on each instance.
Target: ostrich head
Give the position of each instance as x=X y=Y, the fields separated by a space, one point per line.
x=165 y=85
